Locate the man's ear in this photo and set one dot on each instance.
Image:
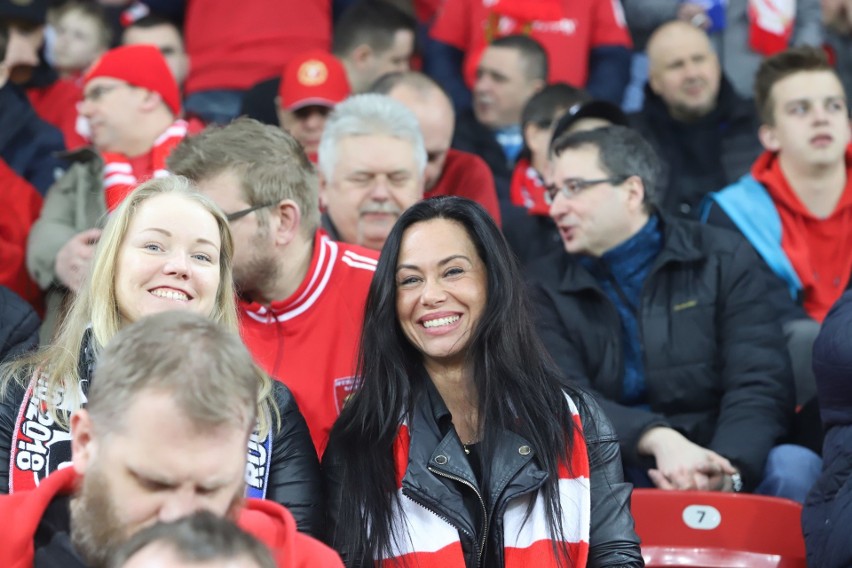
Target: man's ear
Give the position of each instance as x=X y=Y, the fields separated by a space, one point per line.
x=635 y=191
x=151 y=101
x=768 y=137
x=288 y=221
x=361 y=55
x=323 y=190
x=83 y=443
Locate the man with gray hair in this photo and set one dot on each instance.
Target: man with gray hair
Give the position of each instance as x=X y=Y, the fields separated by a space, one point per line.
x=164 y=435
x=372 y=161
x=301 y=293
x=668 y=321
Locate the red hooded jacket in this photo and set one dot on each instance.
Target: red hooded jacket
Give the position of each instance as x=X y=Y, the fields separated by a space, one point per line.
x=269 y=522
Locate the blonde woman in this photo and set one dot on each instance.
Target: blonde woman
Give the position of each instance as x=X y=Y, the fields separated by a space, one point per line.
x=166 y=247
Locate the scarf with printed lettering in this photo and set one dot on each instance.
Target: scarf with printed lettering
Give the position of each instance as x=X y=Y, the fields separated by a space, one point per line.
x=431 y=542
x=119 y=177
x=41 y=446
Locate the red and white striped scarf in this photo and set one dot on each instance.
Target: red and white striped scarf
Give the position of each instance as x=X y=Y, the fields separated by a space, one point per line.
x=119 y=177
x=431 y=542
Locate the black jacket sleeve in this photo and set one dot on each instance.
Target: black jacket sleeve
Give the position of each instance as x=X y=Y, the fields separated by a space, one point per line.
x=759 y=397
x=294 y=477
x=612 y=539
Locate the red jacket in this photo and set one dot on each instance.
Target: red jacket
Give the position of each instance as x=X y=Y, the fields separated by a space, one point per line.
x=235 y=45
x=269 y=522
x=20 y=205
x=467 y=175
x=309 y=341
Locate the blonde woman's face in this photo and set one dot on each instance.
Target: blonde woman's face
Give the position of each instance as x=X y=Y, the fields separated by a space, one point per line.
x=168 y=260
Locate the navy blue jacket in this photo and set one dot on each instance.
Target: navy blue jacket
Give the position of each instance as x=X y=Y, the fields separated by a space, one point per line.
x=27 y=143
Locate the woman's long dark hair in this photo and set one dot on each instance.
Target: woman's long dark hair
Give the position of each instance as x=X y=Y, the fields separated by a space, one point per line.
x=516 y=384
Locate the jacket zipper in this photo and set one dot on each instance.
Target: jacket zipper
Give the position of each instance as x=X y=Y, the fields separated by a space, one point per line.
x=481 y=502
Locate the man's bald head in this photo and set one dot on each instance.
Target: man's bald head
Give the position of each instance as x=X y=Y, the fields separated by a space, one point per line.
x=434 y=111
x=684 y=70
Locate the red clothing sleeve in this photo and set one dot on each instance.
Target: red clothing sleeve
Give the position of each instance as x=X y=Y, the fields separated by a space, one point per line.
x=610 y=27
x=452 y=24
x=20 y=205
x=467 y=175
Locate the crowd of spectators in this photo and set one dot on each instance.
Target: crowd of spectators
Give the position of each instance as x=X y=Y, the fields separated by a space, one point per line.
x=671 y=178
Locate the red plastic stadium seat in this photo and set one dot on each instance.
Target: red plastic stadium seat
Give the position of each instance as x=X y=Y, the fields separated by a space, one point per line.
x=718 y=530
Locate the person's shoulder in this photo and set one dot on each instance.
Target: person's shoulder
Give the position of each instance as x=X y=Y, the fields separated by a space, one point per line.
x=274 y=525
x=596 y=425
x=685 y=234
x=549 y=269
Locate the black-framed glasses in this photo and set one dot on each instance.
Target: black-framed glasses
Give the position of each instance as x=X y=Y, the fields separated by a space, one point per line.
x=574 y=186
x=231 y=217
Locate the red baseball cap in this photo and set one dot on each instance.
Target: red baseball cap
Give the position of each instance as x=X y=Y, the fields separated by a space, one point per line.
x=313 y=78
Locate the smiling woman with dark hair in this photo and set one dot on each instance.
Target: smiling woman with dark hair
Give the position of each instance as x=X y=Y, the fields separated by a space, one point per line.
x=461 y=447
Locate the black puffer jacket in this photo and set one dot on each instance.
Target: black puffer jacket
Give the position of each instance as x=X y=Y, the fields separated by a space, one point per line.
x=716 y=364
x=293 y=479
x=613 y=542
x=827 y=515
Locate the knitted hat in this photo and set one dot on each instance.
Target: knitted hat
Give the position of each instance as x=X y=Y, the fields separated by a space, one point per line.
x=32 y=11
x=140 y=66
x=313 y=78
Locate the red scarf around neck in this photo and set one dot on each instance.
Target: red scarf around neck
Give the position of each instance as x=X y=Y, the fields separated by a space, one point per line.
x=527 y=189
x=120 y=177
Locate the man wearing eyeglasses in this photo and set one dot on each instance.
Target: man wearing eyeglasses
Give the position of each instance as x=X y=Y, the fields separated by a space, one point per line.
x=301 y=294
x=130 y=102
x=668 y=322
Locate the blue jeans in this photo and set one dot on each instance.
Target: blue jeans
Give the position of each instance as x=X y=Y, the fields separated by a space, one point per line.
x=220 y=105
x=790 y=472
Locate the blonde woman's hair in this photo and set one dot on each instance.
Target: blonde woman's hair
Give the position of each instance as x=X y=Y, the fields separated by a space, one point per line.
x=58 y=363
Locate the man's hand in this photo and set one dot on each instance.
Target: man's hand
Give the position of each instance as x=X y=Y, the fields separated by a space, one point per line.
x=72 y=262
x=694 y=14
x=681 y=464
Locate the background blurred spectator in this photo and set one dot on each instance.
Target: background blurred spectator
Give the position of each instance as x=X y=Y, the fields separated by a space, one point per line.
x=587 y=42
x=82 y=35
x=166 y=36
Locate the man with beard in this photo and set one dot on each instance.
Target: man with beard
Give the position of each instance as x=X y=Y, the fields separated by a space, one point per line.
x=301 y=293
x=372 y=160
x=130 y=471
x=704 y=132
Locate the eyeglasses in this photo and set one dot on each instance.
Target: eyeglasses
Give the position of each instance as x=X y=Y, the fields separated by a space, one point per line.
x=574 y=186
x=231 y=217
x=94 y=94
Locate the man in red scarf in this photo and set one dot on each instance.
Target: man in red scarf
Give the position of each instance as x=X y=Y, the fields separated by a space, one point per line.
x=130 y=102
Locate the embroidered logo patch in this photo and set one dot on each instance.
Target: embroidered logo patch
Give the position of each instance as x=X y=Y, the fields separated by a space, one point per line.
x=344 y=388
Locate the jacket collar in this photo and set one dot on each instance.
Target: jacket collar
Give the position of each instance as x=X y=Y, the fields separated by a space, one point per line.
x=680 y=245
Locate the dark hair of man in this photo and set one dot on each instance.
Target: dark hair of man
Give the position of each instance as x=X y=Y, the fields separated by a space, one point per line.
x=200 y=537
x=373 y=22
x=152 y=21
x=516 y=383
x=533 y=55
x=780 y=66
x=622 y=153
x=543 y=105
